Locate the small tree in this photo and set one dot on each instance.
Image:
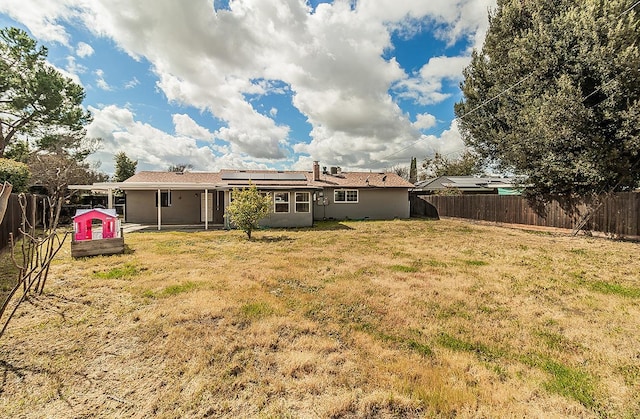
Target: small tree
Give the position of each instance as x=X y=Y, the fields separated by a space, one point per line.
x=16 y=173
x=401 y=171
x=125 y=167
x=247 y=208
x=468 y=164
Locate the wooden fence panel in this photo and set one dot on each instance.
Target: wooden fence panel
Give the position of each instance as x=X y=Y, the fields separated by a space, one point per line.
x=616 y=214
x=13 y=217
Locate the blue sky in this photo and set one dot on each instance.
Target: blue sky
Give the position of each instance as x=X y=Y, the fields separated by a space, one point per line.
x=276 y=84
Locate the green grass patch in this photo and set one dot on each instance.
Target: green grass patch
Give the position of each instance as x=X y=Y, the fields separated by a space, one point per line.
x=404 y=268
x=616 y=289
x=408 y=343
x=421 y=348
x=553 y=341
x=8 y=273
x=435 y=263
x=565 y=381
x=481 y=350
x=631 y=373
x=126 y=271
x=256 y=310
x=178 y=289
x=581 y=252
x=475 y=262
x=570 y=382
x=171 y=290
x=457 y=309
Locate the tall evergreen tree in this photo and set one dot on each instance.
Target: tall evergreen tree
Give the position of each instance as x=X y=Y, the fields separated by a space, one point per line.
x=125 y=167
x=555 y=94
x=413 y=170
x=35 y=98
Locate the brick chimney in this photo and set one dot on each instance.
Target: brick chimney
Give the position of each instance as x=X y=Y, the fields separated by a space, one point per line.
x=316 y=171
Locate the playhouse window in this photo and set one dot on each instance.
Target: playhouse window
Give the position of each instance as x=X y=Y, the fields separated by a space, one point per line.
x=165 y=198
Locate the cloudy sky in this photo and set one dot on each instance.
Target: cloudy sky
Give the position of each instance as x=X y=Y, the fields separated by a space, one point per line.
x=361 y=84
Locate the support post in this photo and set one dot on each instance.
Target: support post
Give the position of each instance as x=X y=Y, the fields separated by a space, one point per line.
x=206 y=209
x=109 y=198
x=159 y=209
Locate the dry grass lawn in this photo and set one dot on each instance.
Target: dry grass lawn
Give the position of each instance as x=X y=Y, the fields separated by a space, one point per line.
x=356 y=319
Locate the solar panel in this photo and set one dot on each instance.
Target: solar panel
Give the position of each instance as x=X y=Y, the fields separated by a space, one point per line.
x=263 y=176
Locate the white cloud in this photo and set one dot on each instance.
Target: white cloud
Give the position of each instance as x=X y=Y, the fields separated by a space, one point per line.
x=425 y=88
x=424 y=121
x=73 y=67
x=448 y=143
x=84 y=50
x=330 y=61
x=132 y=83
x=187 y=127
x=40 y=16
x=121 y=132
x=65 y=72
x=100 y=81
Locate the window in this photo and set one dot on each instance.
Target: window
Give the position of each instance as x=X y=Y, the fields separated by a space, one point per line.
x=165 y=198
x=281 y=201
x=303 y=202
x=345 y=195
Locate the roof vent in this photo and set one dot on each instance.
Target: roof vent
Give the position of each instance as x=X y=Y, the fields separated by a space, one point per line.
x=334 y=170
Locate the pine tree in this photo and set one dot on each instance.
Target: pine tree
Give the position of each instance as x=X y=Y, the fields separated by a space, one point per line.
x=555 y=95
x=413 y=171
x=125 y=167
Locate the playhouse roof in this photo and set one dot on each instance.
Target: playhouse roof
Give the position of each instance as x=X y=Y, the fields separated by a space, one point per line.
x=104 y=211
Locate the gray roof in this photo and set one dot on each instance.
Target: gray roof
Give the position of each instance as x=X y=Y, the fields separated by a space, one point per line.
x=465 y=183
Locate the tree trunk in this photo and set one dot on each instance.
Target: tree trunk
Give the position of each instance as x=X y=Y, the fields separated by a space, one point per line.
x=5 y=193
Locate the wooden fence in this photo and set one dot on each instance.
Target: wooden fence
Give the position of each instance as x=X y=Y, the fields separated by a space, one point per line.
x=13 y=217
x=616 y=215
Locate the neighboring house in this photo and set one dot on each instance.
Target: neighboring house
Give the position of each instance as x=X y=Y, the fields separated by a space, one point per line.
x=467 y=185
x=298 y=197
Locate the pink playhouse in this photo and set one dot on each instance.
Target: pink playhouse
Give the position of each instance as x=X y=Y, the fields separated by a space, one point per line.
x=84 y=221
x=96 y=232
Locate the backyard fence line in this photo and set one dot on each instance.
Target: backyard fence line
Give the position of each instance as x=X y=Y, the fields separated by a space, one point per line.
x=617 y=215
x=13 y=217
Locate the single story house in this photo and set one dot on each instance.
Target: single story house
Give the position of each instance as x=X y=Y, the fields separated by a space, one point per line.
x=299 y=197
x=468 y=185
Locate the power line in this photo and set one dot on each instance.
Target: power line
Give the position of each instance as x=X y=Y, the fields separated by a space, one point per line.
x=630 y=8
x=466 y=114
x=481 y=105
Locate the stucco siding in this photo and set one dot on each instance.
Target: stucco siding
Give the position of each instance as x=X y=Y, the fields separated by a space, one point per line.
x=285 y=219
x=374 y=204
x=184 y=209
x=288 y=220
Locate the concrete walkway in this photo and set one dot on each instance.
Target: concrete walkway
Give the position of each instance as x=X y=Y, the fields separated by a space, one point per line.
x=131 y=227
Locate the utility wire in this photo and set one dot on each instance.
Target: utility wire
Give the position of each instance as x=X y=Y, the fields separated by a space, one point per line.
x=630 y=8
x=468 y=113
x=502 y=93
